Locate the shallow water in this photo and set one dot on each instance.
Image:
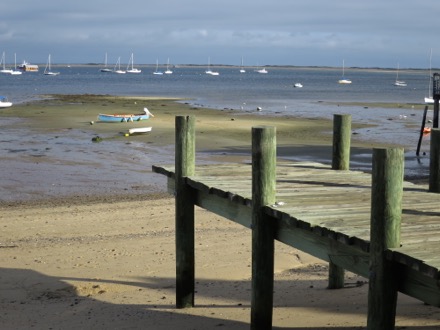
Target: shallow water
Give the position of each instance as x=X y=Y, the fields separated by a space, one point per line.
x=36 y=165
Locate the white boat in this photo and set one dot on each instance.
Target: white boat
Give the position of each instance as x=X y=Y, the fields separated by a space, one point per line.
x=3 y=62
x=15 y=72
x=298 y=85
x=132 y=69
x=398 y=82
x=4 y=103
x=139 y=130
x=117 y=68
x=157 y=69
x=168 y=71
x=263 y=70
x=344 y=80
x=27 y=67
x=429 y=99
x=242 y=70
x=105 y=68
x=209 y=71
x=47 y=70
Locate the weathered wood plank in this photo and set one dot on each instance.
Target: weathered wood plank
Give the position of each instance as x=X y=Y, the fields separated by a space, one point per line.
x=311 y=221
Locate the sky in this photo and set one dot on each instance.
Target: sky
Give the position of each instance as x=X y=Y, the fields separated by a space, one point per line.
x=373 y=33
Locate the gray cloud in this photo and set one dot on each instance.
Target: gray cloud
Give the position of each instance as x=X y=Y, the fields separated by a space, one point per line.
x=313 y=32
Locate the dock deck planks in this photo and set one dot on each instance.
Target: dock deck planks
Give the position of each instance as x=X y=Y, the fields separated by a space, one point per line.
x=327 y=214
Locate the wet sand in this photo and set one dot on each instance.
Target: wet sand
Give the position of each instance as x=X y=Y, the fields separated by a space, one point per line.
x=49 y=144
x=88 y=231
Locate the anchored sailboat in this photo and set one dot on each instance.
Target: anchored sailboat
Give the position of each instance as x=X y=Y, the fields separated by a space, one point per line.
x=344 y=80
x=105 y=68
x=48 y=71
x=132 y=69
x=398 y=82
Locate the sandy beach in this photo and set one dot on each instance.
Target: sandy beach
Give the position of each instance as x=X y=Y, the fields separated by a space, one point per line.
x=101 y=258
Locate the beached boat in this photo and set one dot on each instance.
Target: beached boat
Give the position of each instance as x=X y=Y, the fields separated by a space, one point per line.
x=4 y=103
x=123 y=118
x=426 y=130
x=139 y=130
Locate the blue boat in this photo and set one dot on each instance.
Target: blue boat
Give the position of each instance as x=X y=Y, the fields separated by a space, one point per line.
x=4 y=103
x=124 y=118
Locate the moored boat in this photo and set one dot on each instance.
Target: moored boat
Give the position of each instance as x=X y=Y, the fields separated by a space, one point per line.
x=123 y=118
x=27 y=67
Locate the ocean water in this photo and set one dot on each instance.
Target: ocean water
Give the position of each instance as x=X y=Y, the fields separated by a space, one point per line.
x=230 y=88
x=273 y=93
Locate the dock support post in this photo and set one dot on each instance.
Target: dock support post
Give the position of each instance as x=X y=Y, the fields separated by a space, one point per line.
x=340 y=161
x=386 y=214
x=184 y=166
x=263 y=245
x=341 y=142
x=434 y=161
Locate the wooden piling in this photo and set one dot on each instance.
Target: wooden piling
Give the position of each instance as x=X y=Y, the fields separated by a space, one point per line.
x=184 y=166
x=340 y=161
x=263 y=193
x=422 y=129
x=341 y=142
x=386 y=213
x=434 y=161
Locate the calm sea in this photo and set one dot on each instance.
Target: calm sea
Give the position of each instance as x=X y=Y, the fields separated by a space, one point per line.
x=230 y=88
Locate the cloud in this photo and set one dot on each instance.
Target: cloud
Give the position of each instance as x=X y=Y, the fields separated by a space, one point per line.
x=372 y=33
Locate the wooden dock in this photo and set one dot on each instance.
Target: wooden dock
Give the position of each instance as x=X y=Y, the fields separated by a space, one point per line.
x=319 y=210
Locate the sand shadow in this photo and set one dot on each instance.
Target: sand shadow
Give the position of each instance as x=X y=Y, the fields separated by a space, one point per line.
x=34 y=300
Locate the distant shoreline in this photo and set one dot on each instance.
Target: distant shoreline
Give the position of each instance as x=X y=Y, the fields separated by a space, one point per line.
x=327 y=68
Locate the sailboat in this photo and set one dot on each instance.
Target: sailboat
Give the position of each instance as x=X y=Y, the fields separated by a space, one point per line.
x=15 y=71
x=168 y=71
x=47 y=69
x=157 y=69
x=132 y=69
x=3 y=61
x=209 y=71
x=117 y=68
x=398 y=82
x=242 y=70
x=344 y=80
x=261 y=70
x=429 y=99
x=105 y=68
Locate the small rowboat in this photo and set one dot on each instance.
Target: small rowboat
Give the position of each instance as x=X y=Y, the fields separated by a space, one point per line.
x=124 y=118
x=4 y=103
x=426 y=130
